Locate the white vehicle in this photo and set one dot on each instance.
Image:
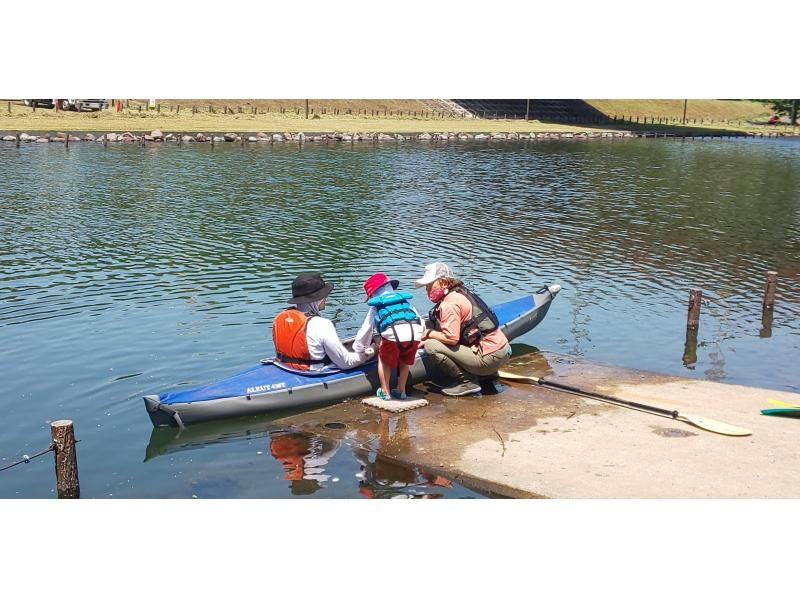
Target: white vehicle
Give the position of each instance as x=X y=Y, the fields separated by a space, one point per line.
x=83 y=104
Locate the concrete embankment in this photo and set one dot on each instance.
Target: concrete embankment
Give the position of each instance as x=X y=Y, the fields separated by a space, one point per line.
x=531 y=441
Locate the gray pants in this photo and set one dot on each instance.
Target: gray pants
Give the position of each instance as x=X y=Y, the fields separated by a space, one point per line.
x=460 y=363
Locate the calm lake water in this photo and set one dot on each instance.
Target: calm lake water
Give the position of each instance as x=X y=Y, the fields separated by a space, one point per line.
x=127 y=271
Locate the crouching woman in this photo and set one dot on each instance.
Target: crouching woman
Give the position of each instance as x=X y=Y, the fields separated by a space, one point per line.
x=464 y=340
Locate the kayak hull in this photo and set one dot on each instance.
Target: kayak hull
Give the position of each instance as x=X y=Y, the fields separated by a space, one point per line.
x=268 y=387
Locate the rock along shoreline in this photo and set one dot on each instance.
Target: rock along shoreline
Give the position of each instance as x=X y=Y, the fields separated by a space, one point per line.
x=261 y=137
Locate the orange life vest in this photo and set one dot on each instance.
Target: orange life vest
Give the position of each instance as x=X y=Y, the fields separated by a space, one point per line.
x=289 y=336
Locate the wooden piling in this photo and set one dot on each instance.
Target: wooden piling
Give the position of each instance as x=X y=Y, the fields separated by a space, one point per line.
x=66 y=459
x=9 y=107
x=769 y=290
x=695 y=298
x=17 y=140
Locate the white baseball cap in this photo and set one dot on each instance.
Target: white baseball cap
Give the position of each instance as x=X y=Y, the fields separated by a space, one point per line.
x=434 y=272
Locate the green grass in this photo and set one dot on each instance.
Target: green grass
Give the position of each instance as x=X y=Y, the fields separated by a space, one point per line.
x=371 y=116
x=706 y=110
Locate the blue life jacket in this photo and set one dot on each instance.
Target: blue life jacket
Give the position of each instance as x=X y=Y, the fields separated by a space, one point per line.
x=391 y=308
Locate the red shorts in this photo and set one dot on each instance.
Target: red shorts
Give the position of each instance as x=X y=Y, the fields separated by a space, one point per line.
x=392 y=354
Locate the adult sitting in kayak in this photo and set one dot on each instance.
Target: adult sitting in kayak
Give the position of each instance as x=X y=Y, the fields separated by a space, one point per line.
x=463 y=337
x=305 y=340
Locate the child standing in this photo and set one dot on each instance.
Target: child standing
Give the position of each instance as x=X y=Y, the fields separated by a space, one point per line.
x=400 y=326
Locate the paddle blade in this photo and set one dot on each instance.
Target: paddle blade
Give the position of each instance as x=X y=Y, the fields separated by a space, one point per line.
x=783 y=411
x=778 y=403
x=513 y=376
x=713 y=425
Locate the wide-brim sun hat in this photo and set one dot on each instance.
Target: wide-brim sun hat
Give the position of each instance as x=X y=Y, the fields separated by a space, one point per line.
x=376 y=281
x=309 y=287
x=434 y=272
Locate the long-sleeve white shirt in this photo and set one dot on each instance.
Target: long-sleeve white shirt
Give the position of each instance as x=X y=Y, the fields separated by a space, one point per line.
x=323 y=340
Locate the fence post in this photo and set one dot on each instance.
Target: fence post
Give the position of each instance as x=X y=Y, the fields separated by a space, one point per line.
x=769 y=290
x=66 y=459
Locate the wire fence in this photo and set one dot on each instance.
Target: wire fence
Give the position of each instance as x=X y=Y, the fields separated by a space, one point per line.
x=28 y=458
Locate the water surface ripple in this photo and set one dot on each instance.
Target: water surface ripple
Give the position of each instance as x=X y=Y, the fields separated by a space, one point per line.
x=128 y=270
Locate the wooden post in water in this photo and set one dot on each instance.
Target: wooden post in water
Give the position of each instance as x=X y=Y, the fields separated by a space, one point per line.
x=766 y=324
x=692 y=324
x=769 y=289
x=66 y=458
x=17 y=140
x=690 y=348
x=693 y=320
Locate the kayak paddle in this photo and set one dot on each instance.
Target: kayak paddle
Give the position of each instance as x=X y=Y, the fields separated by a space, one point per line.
x=695 y=420
x=783 y=411
x=778 y=403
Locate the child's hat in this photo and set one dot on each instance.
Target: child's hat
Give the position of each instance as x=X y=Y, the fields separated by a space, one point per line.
x=375 y=282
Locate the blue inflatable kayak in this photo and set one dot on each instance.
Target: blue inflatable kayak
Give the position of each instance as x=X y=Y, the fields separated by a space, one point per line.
x=270 y=387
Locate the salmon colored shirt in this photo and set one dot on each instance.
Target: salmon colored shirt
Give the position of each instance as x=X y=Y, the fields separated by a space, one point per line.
x=455 y=309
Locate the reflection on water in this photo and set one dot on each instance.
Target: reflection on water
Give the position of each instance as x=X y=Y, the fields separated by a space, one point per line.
x=126 y=270
x=311 y=463
x=303 y=459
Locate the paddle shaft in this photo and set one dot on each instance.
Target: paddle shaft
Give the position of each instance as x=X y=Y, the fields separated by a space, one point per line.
x=610 y=399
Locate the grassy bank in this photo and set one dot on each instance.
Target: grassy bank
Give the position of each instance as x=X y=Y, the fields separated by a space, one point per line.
x=373 y=116
x=700 y=110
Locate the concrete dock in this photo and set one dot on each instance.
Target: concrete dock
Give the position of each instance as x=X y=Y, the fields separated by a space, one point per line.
x=531 y=441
